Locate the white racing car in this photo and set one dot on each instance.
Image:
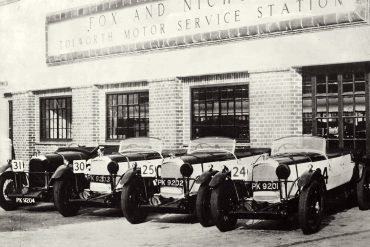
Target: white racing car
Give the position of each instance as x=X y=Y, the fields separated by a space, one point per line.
x=298 y=177
x=172 y=187
x=99 y=180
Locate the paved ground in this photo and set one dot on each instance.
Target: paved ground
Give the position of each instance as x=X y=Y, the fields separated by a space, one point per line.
x=43 y=226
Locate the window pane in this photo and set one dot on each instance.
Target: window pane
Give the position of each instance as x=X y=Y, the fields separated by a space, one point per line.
x=223 y=111
x=130 y=118
x=56 y=118
x=348 y=128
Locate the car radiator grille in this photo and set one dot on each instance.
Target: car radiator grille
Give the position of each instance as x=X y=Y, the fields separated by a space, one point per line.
x=170 y=170
x=264 y=172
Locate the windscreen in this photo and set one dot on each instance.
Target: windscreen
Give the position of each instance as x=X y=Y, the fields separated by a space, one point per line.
x=212 y=144
x=139 y=144
x=296 y=144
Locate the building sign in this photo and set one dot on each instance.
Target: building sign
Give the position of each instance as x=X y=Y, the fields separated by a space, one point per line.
x=130 y=26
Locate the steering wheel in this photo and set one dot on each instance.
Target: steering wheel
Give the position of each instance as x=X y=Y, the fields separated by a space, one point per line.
x=203 y=145
x=287 y=146
x=73 y=144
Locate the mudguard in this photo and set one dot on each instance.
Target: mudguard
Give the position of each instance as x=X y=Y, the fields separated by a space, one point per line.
x=218 y=179
x=307 y=177
x=61 y=171
x=6 y=168
x=206 y=177
x=131 y=173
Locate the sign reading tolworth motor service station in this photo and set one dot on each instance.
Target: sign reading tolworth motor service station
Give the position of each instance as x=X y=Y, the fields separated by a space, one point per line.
x=129 y=26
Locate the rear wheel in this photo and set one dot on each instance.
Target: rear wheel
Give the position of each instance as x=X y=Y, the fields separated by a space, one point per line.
x=311 y=207
x=63 y=193
x=203 y=207
x=363 y=190
x=7 y=185
x=132 y=196
x=222 y=199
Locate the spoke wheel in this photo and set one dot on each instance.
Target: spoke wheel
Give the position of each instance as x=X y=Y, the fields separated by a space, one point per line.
x=363 y=190
x=132 y=196
x=311 y=207
x=222 y=200
x=203 y=206
x=63 y=193
x=7 y=186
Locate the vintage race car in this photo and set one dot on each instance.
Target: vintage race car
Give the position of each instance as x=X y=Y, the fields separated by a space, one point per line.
x=28 y=183
x=299 y=177
x=99 y=182
x=171 y=187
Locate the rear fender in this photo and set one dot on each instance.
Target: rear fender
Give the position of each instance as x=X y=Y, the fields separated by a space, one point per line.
x=206 y=177
x=307 y=177
x=219 y=178
x=129 y=175
x=62 y=171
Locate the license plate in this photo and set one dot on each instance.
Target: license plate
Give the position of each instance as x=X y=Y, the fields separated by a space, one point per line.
x=17 y=165
x=265 y=186
x=25 y=200
x=170 y=182
x=105 y=179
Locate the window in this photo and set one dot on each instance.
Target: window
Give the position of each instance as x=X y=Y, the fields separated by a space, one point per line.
x=339 y=112
x=11 y=120
x=127 y=115
x=56 y=118
x=220 y=111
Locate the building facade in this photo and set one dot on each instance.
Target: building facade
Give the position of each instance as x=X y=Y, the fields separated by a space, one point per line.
x=182 y=69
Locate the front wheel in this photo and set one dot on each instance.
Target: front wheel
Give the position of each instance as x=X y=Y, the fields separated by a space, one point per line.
x=363 y=190
x=222 y=199
x=131 y=197
x=63 y=193
x=7 y=185
x=203 y=207
x=311 y=207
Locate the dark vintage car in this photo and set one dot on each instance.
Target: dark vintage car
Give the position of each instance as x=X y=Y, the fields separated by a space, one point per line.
x=28 y=183
x=172 y=187
x=99 y=183
x=299 y=177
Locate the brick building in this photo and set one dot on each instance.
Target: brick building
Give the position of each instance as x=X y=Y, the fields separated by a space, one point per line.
x=99 y=72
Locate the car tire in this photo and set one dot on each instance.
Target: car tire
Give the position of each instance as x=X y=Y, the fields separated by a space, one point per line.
x=311 y=207
x=63 y=190
x=132 y=193
x=221 y=198
x=363 y=190
x=6 y=181
x=203 y=207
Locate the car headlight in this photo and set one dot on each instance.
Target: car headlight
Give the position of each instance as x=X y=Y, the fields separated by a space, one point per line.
x=186 y=170
x=112 y=167
x=282 y=171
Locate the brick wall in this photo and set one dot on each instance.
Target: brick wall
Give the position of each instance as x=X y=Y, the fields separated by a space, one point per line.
x=166 y=112
x=85 y=116
x=24 y=125
x=275 y=105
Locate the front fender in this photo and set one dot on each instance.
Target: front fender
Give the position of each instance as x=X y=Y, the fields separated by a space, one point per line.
x=61 y=171
x=131 y=173
x=307 y=177
x=218 y=179
x=5 y=168
x=206 y=177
